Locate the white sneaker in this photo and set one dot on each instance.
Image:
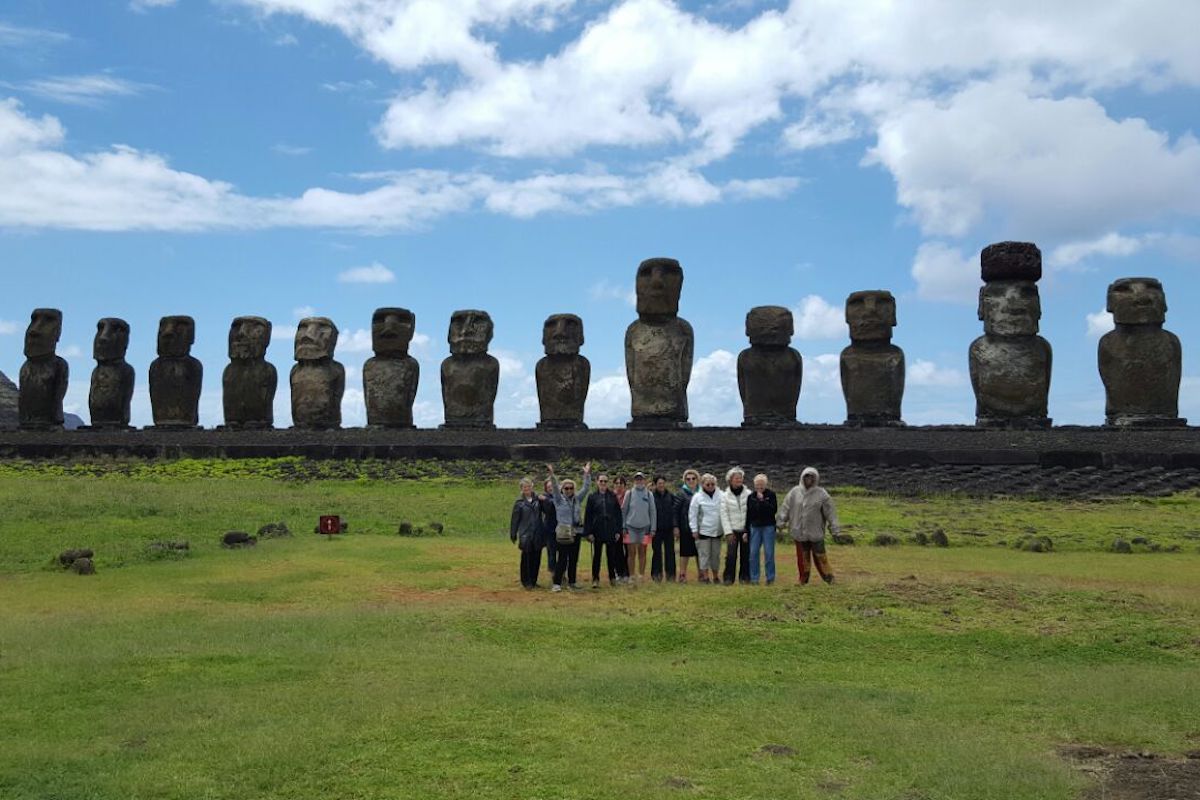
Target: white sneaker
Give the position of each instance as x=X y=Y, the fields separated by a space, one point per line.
x=556 y=588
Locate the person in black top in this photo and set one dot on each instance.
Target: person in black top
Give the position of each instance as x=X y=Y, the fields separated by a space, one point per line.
x=667 y=530
x=760 y=517
x=525 y=531
x=683 y=525
x=549 y=523
x=602 y=525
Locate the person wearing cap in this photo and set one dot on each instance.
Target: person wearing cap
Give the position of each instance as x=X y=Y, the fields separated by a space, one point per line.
x=640 y=515
x=807 y=510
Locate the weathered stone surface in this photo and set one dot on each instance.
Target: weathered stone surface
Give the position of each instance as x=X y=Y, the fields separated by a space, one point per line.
x=563 y=375
x=113 y=378
x=872 y=367
x=391 y=376
x=10 y=401
x=68 y=557
x=249 y=382
x=470 y=376
x=658 y=349
x=44 y=375
x=769 y=371
x=83 y=566
x=175 y=376
x=1010 y=364
x=318 y=382
x=237 y=539
x=1140 y=363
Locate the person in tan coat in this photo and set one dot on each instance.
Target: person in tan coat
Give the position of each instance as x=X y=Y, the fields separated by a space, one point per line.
x=806 y=512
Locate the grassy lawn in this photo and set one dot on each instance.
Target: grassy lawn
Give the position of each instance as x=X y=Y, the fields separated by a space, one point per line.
x=376 y=666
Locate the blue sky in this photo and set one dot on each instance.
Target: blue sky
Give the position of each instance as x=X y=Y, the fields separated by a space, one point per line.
x=288 y=157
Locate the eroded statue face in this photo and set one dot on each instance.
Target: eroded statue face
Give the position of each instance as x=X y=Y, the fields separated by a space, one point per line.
x=871 y=315
x=176 y=336
x=316 y=338
x=392 y=331
x=770 y=326
x=562 y=335
x=470 y=332
x=1137 y=301
x=45 y=328
x=112 y=339
x=1010 y=308
x=659 y=284
x=248 y=338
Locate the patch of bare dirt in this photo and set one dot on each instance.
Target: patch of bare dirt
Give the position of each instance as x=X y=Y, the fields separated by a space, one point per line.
x=1135 y=775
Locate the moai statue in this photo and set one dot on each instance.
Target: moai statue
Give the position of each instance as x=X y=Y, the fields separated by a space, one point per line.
x=113 y=377
x=43 y=378
x=249 y=382
x=318 y=382
x=872 y=367
x=1010 y=363
x=769 y=371
x=390 y=377
x=470 y=377
x=563 y=375
x=1140 y=363
x=175 y=376
x=658 y=349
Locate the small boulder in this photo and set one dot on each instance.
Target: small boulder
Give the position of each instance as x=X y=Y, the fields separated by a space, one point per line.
x=68 y=557
x=843 y=538
x=274 y=530
x=921 y=538
x=83 y=566
x=436 y=528
x=939 y=538
x=405 y=529
x=237 y=539
x=885 y=540
x=1121 y=546
x=1139 y=540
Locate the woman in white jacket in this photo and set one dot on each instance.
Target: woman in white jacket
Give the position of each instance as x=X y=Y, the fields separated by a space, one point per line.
x=733 y=522
x=704 y=515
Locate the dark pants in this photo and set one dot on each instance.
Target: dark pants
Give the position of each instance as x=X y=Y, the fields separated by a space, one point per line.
x=567 y=562
x=807 y=552
x=737 y=559
x=615 y=556
x=663 y=558
x=551 y=551
x=531 y=561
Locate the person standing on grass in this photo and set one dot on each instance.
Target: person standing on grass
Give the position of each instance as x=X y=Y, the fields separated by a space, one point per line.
x=733 y=522
x=665 y=534
x=549 y=523
x=640 y=514
x=683 y=525
x=704 y=517
x=602 y=527
x=568 y=530
x=807 y=511
x=761 y=509
x=525 y=531
x=619 y=489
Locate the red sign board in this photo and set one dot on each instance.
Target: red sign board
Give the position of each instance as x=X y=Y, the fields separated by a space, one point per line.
x=330 y=524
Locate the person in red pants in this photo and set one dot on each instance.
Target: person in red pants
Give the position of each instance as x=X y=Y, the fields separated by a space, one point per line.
x=807 y=511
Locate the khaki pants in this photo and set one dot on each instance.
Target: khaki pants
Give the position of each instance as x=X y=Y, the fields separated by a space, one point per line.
x=708 y=550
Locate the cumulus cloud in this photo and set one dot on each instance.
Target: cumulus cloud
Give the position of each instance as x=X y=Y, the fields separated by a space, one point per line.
x=926 y=373
x=357 y=340
x=1108 y=245
x=372 y=273
x=713 y=397
x=945 y=273
x=1099 y=323
x=816 y=318
x=7 y=326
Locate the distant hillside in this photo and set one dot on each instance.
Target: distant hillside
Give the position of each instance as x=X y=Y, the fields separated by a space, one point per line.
x=8 y=406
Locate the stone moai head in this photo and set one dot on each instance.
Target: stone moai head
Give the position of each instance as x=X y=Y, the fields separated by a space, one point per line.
x=392 y=331
x=316 y=338
x=658 y=285
x=112 y=339
x=1137 y=301
x=470 y=332
x=770 y=326
x=871 y=315
x=176 y=335
x=1010 y=308
x=562 y=335
x=45 y=328
x=248 y=338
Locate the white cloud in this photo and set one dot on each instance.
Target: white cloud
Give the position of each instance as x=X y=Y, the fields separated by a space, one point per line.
x=354 y=341
x=926 y=373
x=945 y=273
x=372 y=273
x=812 y=133
x=1099 y=323
x=8 y=327
x=19 y=36
x=301 y=312
x=817 y=319
x=82 y=90
x=145 y=5
x=713 y=397
x=608 y=401
x=1109 y=245
x=286 y=40
x=607 y=290
x=285 y=149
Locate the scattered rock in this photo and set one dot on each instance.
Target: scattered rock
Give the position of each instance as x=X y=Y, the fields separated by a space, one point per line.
x=843 y=538
x=920 y=538
x=274 y=530
x=83 y=566
x=939 y=538
x=1119 y=545
x=436 y=528
x=867 y=613
x=677 y=783
x=885 y=540
x=1139 y=540
x=238 y=539
x=777 y=750
x=406 y=528
x=179 y=544
x=1036 y=544
x=68 y=557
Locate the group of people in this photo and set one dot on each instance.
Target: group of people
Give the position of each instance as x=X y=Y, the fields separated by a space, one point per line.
x=621 y=523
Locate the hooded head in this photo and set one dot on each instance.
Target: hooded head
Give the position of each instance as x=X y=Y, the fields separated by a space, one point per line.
x=816 y=476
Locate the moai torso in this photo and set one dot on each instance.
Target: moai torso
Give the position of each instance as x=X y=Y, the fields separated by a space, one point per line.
x=111 y=391
x=391 y=376
x=563 y=375
x=769 y=371
x=470 y=376
x=1140 y=363
x=317 y=381
x=872 y=367
x=1010 y=364
x=176 y=377
x=658 y=349
x=249 y=382
x=44 y=375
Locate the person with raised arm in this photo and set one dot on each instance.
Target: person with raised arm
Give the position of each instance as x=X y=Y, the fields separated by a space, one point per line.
x=568 y=530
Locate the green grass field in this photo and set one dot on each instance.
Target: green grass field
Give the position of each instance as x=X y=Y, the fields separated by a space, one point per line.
x=375 y=666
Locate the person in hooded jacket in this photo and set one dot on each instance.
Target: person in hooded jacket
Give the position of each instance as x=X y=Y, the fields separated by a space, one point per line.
x=663 y=544
x=807 y=511
x=733 y=521
x=525 y=531
x=683 y=525
x=568 y=529
x=602 y=527
x=704 y=517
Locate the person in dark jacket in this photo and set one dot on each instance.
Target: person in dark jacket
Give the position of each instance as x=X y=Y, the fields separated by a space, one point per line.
x=549 y=523
x=683 y=526
x=602 y=524
x=525 y=531
x=667 y=530
x=761 y=509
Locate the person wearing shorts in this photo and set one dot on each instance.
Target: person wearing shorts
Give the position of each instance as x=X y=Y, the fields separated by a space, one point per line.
x=640 y=516
x=704 y=517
